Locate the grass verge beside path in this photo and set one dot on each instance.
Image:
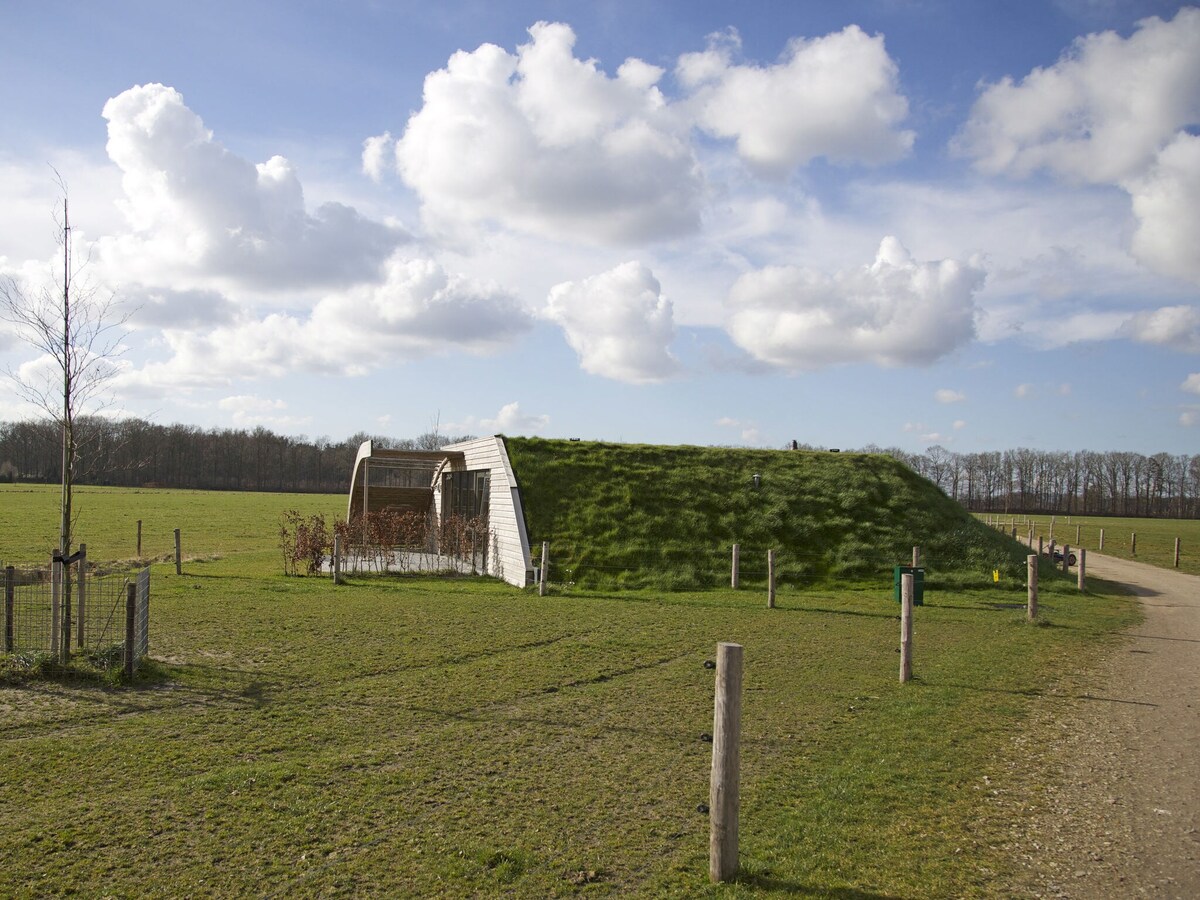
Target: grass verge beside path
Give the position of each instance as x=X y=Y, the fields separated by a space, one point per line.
x=424 y=737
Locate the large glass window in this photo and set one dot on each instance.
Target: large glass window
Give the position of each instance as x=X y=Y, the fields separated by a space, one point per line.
x=465 y=494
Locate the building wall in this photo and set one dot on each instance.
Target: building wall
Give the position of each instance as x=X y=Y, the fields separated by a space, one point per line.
x=509 y=558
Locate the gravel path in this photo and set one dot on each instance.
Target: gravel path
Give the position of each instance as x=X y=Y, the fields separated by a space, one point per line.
x=1124 y=818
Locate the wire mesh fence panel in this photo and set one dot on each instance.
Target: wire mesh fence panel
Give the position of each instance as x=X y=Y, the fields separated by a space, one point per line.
x=141 y=630
x=97 y=623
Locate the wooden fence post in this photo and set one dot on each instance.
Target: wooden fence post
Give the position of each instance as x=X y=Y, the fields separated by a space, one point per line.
x=916 y=556
x=56 y=574
x=906 y=630
x=1078 y=539
x=1066 y=559
x=337 y=559
x=1133 y=544
x=770 y=579
x=1101 y=539
x=545 y=566
x=130 y=621
x=724 y=784
x=1177 y=553
x=139 y=539
x=1040 y=547
x=178 y=555
x=735 y=573
x=81 y=590
x=1031 y=607
x=10 y=591
x=1082 y=567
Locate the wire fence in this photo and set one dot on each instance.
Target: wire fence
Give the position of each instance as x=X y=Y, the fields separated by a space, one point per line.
x=637 y=567
x=53 y=610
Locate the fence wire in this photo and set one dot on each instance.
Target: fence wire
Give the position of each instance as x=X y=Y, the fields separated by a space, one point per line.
x=34 y=618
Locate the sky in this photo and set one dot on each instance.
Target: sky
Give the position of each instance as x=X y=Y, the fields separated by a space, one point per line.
x=875 y=222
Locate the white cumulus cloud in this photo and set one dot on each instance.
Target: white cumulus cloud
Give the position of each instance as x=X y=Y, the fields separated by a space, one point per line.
x=249 y=409
x=894 y=312
x=834 y=97
x=1101 y=113
x=618 y=322
x=418 y=309
x=1111 y=111
x=1166 y=202
x=375 y=155
x=200 y=216
x=1191 y=384
x=509 y=420
x=1177 y=327
x=946 y=395
x=544 y=142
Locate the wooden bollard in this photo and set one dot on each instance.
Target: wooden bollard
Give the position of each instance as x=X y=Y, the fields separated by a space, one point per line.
x=56 y=576
x=545 y=566
x=1177 y=553
x=10 y=593
x=1066 y=559
x=130 y=631
x=770 y=579
x=178 y=555
x=735 y=572
x=1031 y=606
x=139 y=539
x=81 y=597
x=1040 y=547
x=1078 y=532
x=724 y=784
x=906 y=629
x=1082 y=568
x=1133 y=544
x=1101 y=547
x=916 y=556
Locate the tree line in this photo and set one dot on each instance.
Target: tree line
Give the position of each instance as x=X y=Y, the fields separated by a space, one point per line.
x=1109 y=483
x=134 y=453
x=137 y=453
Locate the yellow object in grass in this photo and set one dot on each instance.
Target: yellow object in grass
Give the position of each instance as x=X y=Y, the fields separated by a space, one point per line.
x=995 y=575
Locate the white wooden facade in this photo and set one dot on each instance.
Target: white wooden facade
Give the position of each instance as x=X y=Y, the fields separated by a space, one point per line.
x=508 y=558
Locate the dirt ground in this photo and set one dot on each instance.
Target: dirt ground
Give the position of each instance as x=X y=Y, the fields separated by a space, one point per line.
x=1123 y=818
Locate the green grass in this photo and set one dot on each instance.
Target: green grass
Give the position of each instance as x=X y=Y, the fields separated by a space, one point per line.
x=422 y=737
x=644 y=516
x=212 y=523
x=1155 y=537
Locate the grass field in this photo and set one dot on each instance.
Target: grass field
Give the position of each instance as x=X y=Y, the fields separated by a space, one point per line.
x=1155 y=537
x=420 y=737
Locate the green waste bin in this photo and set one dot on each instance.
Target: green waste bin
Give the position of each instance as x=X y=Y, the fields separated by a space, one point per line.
x=918 y=575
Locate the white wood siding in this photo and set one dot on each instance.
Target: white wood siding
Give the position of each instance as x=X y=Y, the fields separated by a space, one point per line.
x=511 y=560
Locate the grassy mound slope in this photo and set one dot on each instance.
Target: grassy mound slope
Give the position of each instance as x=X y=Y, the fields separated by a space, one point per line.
x=651 y=516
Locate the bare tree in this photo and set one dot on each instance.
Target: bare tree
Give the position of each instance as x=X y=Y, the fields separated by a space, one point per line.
x=78 y=330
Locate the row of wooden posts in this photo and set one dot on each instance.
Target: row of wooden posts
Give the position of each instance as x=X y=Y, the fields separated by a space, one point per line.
x=724 y=782
x=1012 y=524
x=735 y=573
x=178 y=548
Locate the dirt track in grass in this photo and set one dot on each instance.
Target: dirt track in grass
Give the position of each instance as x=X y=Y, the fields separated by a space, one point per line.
x=1123 y=817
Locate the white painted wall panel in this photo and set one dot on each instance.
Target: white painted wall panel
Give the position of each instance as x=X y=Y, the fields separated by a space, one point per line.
x=512 y=560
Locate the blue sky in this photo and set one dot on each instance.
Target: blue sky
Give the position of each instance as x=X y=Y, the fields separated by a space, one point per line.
x=892 y=223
